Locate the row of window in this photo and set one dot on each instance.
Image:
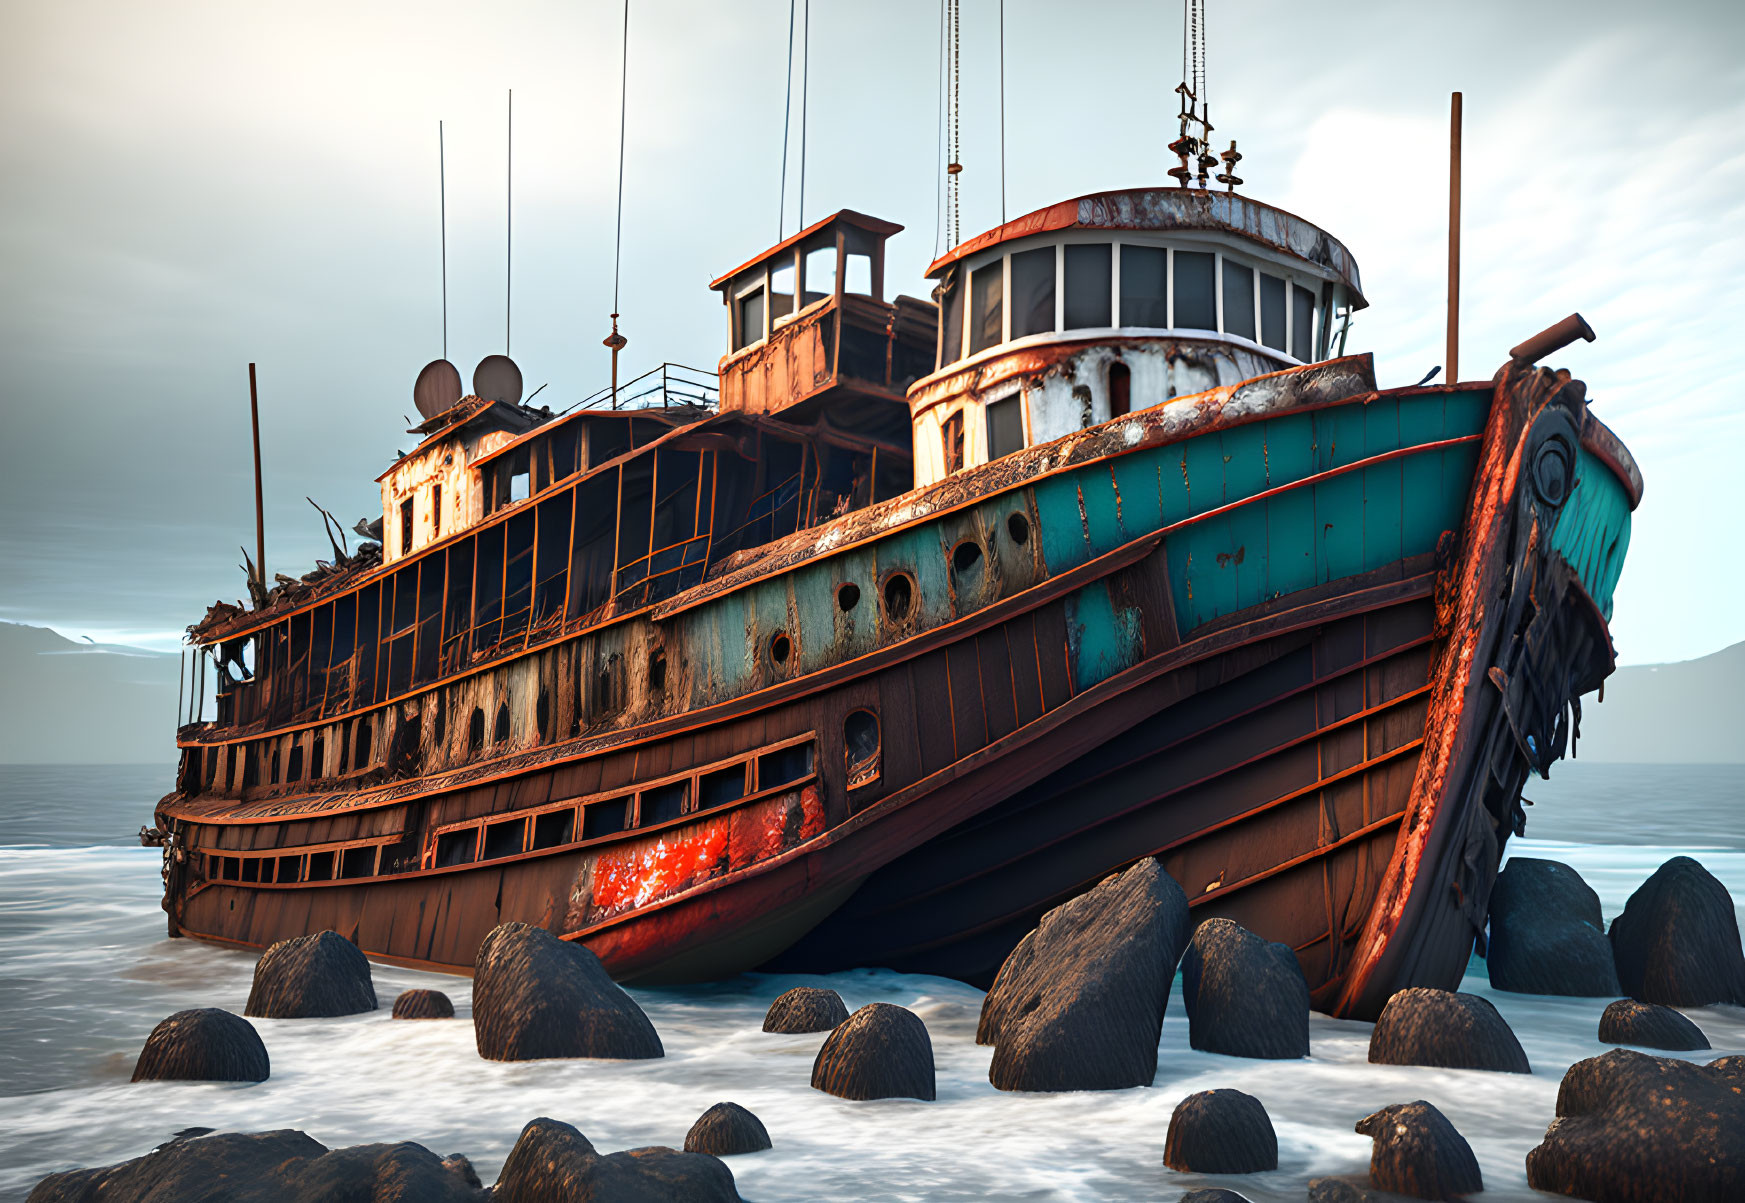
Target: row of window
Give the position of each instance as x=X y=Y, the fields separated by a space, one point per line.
x=1101 y=285
x=529 y=831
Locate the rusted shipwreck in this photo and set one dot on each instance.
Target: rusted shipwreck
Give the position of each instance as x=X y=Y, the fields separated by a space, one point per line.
x=934 y=616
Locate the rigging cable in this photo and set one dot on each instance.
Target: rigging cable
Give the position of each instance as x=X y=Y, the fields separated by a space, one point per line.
x=787 y=112
x=442 y=208
x=805 y=75
x=954 y=167
x=939 y=139
x=509 y=225
x=616 y=341
x=1002 y=112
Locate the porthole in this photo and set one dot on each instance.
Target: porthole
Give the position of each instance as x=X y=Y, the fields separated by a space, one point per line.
x=657 y=669
x=966 y=557
x=1018 y=526
x=899 y=596
x=780 y=648
x=501 y=734
x=847 y=596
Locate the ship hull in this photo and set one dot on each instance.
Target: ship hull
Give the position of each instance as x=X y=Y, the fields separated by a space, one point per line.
x=1328 y=747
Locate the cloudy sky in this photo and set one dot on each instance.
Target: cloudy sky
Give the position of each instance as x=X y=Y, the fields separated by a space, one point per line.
x=191 y=186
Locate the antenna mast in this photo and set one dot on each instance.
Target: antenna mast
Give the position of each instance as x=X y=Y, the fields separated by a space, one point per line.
x=953 y=167
x=260 y=520
x=1195 y=140
x=509 y=224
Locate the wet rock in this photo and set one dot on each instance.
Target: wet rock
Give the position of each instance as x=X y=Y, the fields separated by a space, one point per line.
x=1417 y=1152
x=1245 y=997
x=204 y=1045
x=879 y=1052
x=423 y=1004
x=266 y=1167
x=1078 y=1005
x=1546 y=933
x=1646 y=1129
x=726 y=1129
x=311 y=977
x=554 y=1163
x=536 y=996
x=1350 y=1188
x=1730 y=1068
x=805 y=1009
x=461 y=1167
x=1213 y=1194
x=1677 y=942
x=1422 y=1026
x=1220 y=1132
x=1649 y=1025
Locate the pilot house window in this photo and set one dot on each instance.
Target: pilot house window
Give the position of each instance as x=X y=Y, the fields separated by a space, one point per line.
x=986 y=288
x=1196 y=297
x=750 y=326
x=1144 y=296
x=1033 y=292
x=406 y=526
x=1005 y=422
x=1089 y=279
x=951 y=431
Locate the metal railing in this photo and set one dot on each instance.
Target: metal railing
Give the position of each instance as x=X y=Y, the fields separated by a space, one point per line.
x=669 y=385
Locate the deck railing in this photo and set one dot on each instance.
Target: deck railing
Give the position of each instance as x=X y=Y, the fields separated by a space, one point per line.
x=664 y=387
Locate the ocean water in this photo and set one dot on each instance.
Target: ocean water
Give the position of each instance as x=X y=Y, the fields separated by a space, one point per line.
x=86 y=972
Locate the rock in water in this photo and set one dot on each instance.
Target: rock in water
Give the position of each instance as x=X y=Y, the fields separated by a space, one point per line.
x=879 y=1052
x=1546 y=933
x=1417 y=1152
x=311 y=977
x=1213 y=1194
x=1078 y=1005
x=554 y=1163
x=1422 y=1026
x=205 y=1045
x=1245 y=997
x=1351 y=1188
x=1649 y=1025
x=1220 y=1132
x=1677 y=942
x=805 y=1009
x=1646 y=1129
x=267 y=1167
x=535 y=996
x=423 y=1004
x=726 y=1129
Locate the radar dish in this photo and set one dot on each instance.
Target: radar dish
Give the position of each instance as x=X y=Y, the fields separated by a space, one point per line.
x=438 y=388
x=497 y=379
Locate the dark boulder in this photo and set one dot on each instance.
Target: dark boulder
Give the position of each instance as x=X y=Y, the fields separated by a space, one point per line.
x=1213 y=1194
x=554 y=1163
x=1351 y=1188
x=1245 y=996
x=536 y=996
x=1645 y=1129
x=266 y=1167
x=423 y=1004
x=204 y=1045
x=726 y=1129
x=1220 y=1132
x=1547 y=935
x=1649 y=1025
x=1422 y=1026
x=805 y=1009
x=1078 y=1004
x=1677 y=942
x=879 y=1052
x=1417 y=1152
x=311 y=977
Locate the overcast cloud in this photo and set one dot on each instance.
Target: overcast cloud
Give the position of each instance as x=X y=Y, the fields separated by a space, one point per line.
x=191 y=186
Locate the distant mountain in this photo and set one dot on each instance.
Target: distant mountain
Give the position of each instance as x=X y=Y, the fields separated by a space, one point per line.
x=66 y=702
x=1689 y=712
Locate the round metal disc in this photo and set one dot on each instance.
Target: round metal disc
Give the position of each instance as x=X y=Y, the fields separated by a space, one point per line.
x=497 y=379
x=437 y=389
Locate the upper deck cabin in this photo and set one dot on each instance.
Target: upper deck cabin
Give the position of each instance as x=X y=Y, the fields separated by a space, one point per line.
x=1118 y=301
x=811 y=337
